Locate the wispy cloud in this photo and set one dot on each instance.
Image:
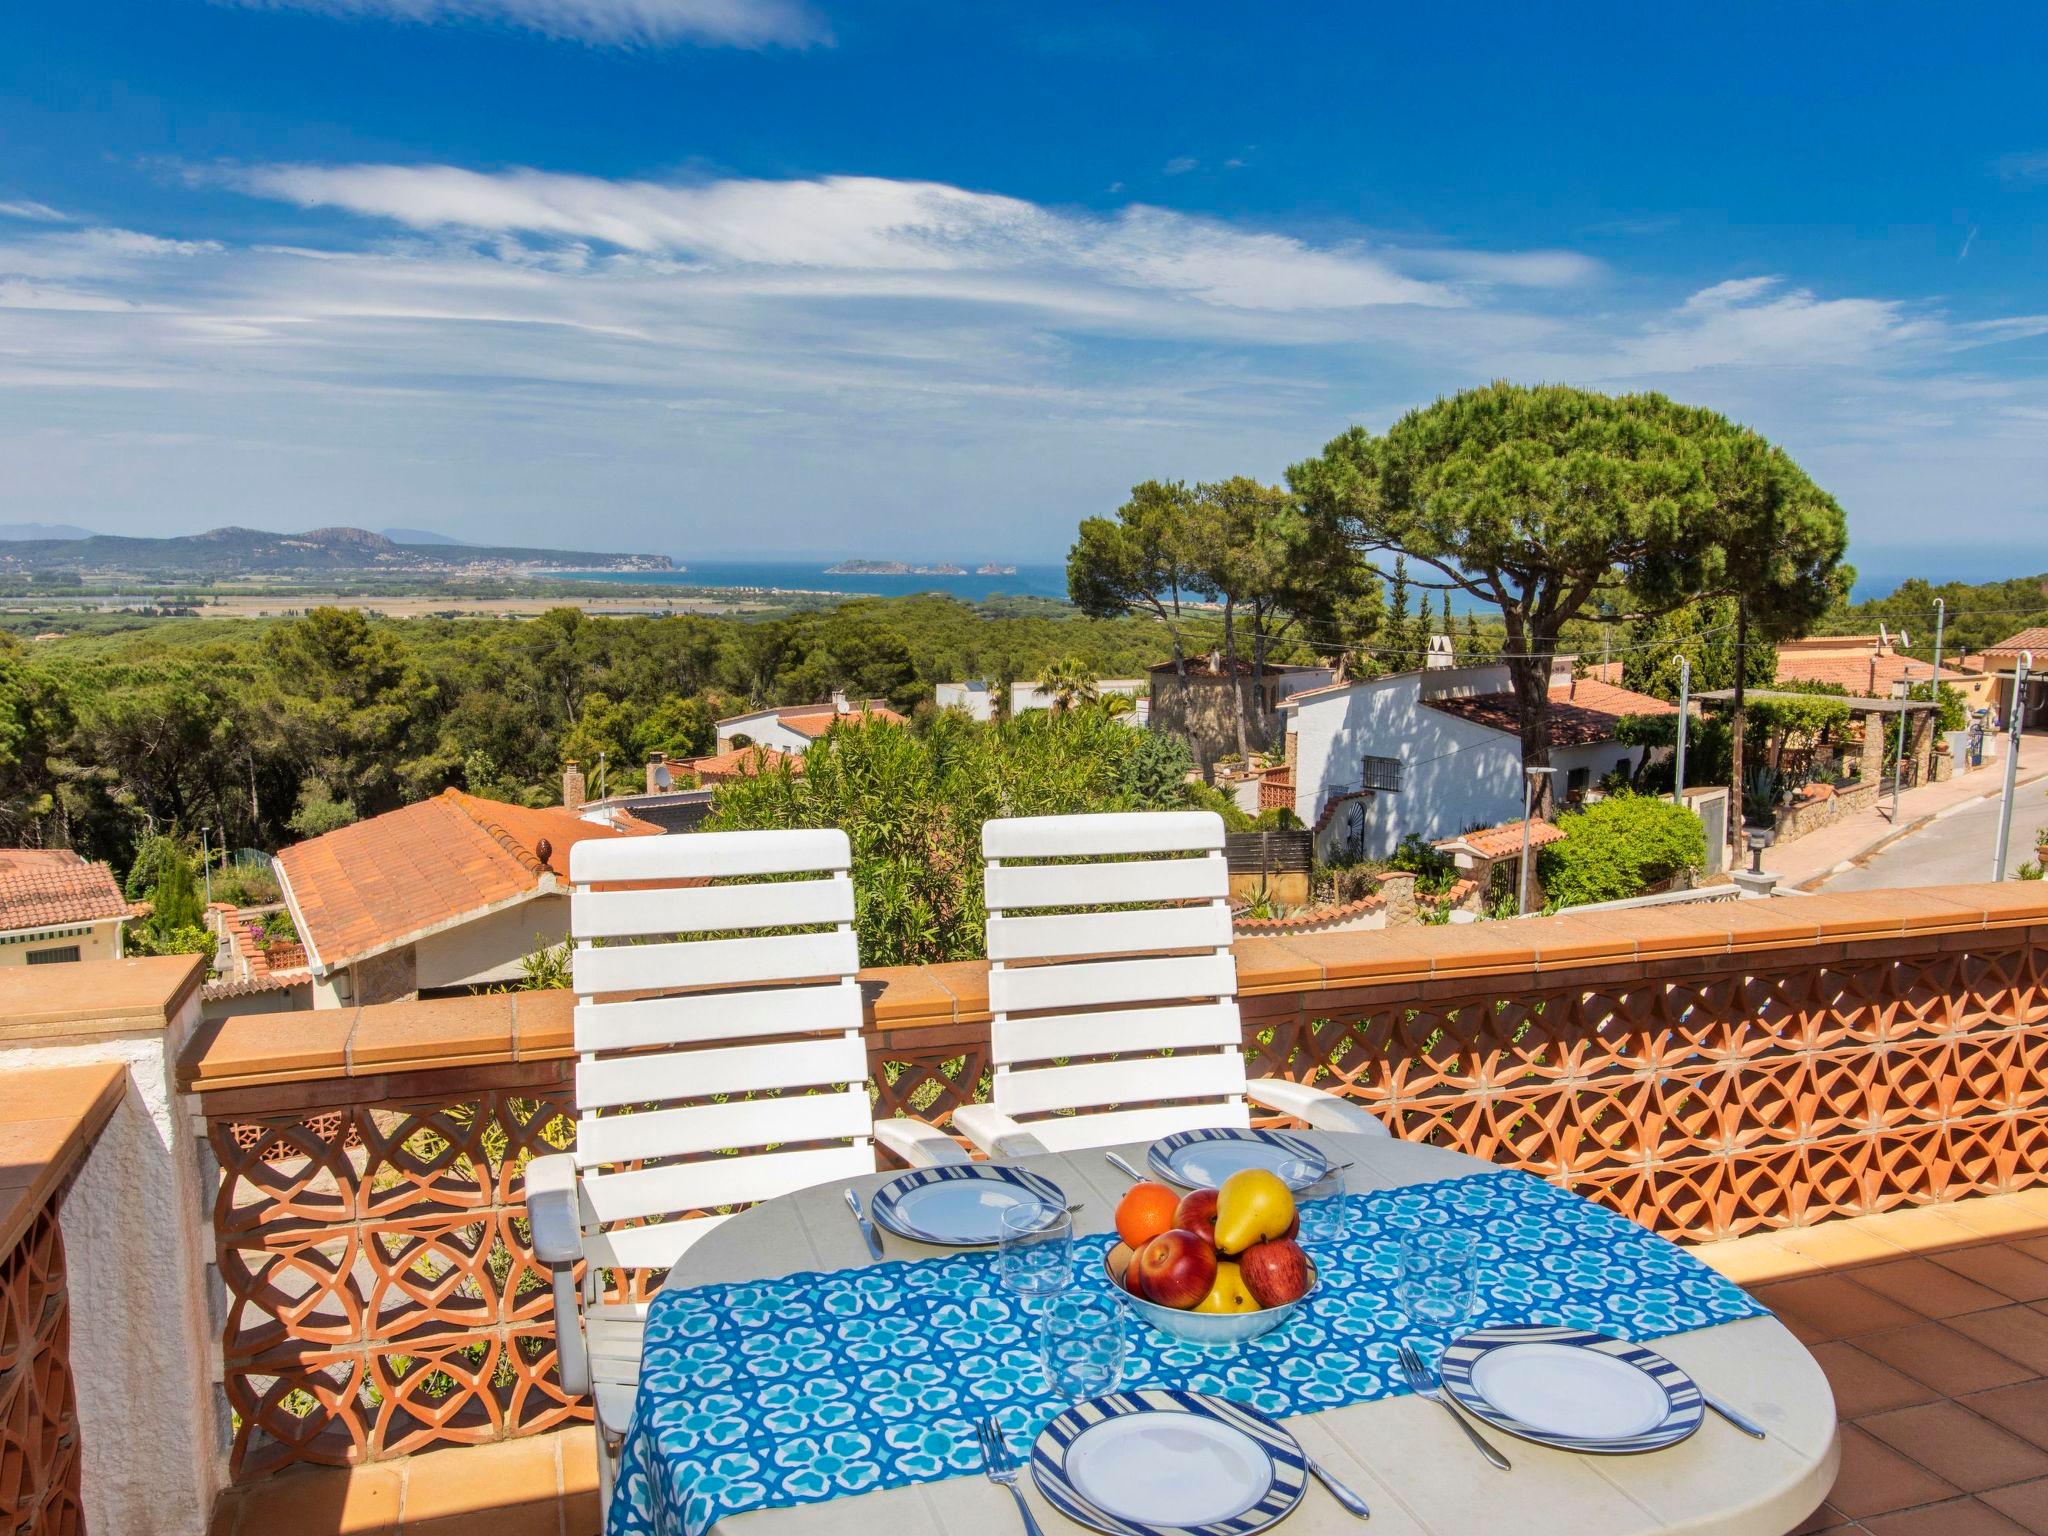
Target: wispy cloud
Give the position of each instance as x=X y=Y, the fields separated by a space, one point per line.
x=613 y=23
x=34 y=212
x=847 y=353
x=2029 y=166
x=1180 y=165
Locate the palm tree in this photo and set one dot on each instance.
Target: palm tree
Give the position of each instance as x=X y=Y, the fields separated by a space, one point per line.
x=1069 y=682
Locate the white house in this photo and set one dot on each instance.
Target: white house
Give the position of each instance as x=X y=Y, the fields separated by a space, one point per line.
x=1436 y=752
x=977 y=696
x=793 y=727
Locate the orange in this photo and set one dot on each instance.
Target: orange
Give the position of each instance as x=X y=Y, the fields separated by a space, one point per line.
x=1145 y=1211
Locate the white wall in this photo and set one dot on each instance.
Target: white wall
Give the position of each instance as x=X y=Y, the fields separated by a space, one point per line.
x=491 y=948
x=974 y=697
x=763 y=730
x=1455 y=774
x=137 y=1225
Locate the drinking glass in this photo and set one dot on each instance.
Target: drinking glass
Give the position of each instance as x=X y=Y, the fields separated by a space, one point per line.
x=1083 y=1345
x=1035 y=1251
x=1438 y=1284
x=1319 y=1202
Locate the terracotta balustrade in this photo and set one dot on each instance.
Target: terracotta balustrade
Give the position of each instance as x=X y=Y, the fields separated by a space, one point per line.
x=1708 y=1070
x=51 y=1118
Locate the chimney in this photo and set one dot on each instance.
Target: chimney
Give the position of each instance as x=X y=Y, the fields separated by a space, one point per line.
x=841 y=705
x=659 y=779
x=572 y=787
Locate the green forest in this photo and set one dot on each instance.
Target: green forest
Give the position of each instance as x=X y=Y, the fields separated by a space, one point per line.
x=270 y=731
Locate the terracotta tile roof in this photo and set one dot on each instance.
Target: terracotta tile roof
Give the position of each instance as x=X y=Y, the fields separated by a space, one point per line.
x=366 y=888
x=1581 y=714
x=814 y=720
x=1308 y=918
x=48 y=888
x=1504 y=840
x=2034 y=639
x=741 y=763
x=1865 y=674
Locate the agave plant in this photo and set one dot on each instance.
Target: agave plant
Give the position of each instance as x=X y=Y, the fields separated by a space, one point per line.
x=1760 y=797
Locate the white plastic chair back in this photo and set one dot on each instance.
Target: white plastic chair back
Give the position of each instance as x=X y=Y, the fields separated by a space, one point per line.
x=669 y=1123
x=1135 y=962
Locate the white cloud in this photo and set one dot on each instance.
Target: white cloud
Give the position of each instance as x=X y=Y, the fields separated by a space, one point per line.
x=1180 y=165
x=858 y=227
x=2022 y=167
x=841 y=359
x=33 y=212
x=619 y=23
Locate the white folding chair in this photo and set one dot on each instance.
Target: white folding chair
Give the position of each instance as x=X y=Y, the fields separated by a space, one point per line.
x=1115 y=1017
x=694 y=1056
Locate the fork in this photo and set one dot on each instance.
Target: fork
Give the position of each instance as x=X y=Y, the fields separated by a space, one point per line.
x=1423 y=1383
x=999 y=1466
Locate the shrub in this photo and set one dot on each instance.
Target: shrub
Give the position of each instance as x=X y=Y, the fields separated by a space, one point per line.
x=1619 y=847
x=1435 y=872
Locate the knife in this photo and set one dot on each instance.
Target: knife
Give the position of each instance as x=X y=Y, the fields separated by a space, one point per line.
x=867 y=1228
x=1745 y=1425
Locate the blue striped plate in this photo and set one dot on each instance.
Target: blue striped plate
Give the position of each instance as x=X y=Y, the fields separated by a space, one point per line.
x=1571 y=1389
x=1118 y=1463
x=959 y=1205
x=1204 y=1159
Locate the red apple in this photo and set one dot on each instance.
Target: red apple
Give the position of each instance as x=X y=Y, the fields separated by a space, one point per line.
x=1275 y=1272
x=1197 y=1214
x=1129 y=1280
x=1176 y=1269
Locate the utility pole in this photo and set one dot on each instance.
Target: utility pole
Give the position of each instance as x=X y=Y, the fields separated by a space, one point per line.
x=1940 y=620
x=1899 y=767
x=2012 y=761
x=1678 y=765
x=206 y=865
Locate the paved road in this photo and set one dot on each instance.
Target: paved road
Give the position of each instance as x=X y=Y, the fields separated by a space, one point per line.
x=1955 y=849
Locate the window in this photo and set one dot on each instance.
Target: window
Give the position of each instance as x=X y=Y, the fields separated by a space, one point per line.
x=57 y=956
x=1575 y=782
x=1380 y=773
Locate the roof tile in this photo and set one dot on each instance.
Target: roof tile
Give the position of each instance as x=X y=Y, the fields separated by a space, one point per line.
x=43 y=888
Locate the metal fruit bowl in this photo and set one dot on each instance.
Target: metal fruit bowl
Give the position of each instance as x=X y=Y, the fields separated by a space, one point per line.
x=1211 y=1328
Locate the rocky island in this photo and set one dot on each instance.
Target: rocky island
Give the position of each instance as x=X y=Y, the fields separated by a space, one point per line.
x=894 y=568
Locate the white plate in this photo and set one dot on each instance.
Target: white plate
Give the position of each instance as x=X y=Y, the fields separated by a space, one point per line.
x=959 y=1205
x=1575 y=1390
x=1566 y=1391
x=1156 y=1460
x=1204 y=1159
x=1169 y=1469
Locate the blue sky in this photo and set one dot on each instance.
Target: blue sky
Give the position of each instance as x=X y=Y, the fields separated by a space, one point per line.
x=731 y=277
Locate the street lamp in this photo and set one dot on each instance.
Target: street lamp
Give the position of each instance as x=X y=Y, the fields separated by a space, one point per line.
x=2020 y=667
x=1529 y=776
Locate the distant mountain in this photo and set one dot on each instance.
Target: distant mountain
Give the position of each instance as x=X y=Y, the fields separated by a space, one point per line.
x=251 y=551
x=424 y=536
x=15 y=532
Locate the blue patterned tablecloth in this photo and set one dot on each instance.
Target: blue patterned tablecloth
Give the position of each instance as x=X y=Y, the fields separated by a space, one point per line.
x=816 y=1386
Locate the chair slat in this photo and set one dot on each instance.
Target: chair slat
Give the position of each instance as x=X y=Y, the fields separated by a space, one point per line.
x=1106 y=933
x=650 y=1079
x=1015 y=887
x=1093 y=984
x=1184 y=1027
x=1139 y=1079
x=709 y=855
x=720 y=1181
x=617 y=1138
x=1065 y=837
x=709 y=908
x=657 y=1245
x=714 y=962
x=706 y=1016
x=1065 y=1133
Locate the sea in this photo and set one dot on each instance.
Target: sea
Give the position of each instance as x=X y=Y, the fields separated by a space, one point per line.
x=809 y=576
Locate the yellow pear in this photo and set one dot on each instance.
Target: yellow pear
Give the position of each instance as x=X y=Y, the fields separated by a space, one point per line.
x=1229 y=1293
x=1254 y=1206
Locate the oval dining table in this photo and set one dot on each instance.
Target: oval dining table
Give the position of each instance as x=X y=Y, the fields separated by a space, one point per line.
x=1401 y=1454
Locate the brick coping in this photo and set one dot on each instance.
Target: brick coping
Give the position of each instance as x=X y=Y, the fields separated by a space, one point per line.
x=140 y=995
x=52 y=1115
x=252 y=1051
